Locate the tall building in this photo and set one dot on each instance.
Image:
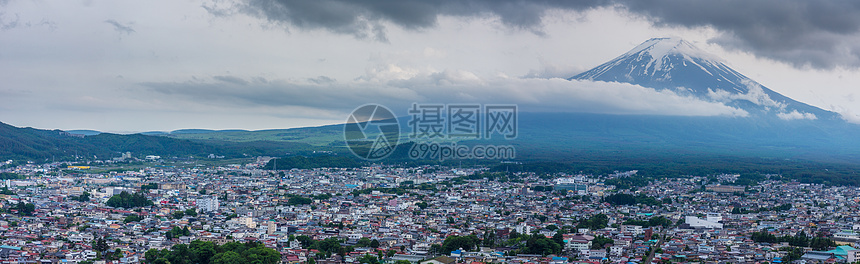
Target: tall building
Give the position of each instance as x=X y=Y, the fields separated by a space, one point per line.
x=272 y=227
x=207 y=204
x=248 y=222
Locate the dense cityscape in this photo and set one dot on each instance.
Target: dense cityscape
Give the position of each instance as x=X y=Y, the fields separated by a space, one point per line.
x=429 y=132
x=164 y=212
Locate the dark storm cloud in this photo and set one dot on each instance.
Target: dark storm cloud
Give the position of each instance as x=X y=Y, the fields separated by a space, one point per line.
x=119 y=27
x=820 y=34
x=363 y=19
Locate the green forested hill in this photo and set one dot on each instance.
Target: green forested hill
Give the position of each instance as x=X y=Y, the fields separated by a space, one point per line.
x=38 y=145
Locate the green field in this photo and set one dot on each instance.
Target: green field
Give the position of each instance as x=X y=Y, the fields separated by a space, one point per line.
x=314 y=136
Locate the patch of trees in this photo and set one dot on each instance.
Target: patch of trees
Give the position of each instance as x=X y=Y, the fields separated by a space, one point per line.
x=369 y=259
x=624 y=183
x=84 y=197
x=654 y=221
x=210 y=253
x=132 y=218
x=794 y=253
x=367 y=242
x=489 y=239
x=327 y=247
x=600 y=242
x=467 y=243
x=103 y=250
x=542 y=188
x=149 y=186
x=11 y=176
x=25 y=209
x=598 y=221
x=177 y=232
x=629 y=199
x=302 y=162
x=178 y=214
x=749 y=179
x=536 y=243
x=424 y=186
x=783 y=207
x=798 y=240
x=231 y=216
x=540 y=244
x=298 y=200
x=126 y=200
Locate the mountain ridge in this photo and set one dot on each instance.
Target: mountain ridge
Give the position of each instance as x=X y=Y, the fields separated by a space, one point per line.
x=677 y=65
x=40 y=145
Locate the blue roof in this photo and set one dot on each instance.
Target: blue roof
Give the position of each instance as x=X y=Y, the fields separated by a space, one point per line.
x=841 y=250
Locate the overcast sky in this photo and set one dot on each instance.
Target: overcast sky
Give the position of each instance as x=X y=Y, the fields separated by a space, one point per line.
x=124 y=66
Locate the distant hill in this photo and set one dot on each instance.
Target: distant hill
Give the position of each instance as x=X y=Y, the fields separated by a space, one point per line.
x=154 y=133
x=203 y=131
x=39 y=145
x=188 y=131
x=315 y=136
x=84 y=132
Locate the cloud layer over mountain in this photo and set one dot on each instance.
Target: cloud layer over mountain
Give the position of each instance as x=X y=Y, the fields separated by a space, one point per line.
x=819 y=34
x=398 y=87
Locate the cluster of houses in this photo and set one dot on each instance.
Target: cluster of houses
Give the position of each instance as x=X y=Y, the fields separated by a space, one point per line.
x=407 y=211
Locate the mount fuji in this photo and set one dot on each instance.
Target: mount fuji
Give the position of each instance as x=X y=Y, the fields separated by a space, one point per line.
x=773 y=126
x=677 y=65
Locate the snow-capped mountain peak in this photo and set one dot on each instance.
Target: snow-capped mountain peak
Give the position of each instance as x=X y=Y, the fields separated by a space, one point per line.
x=660 y=49
x=673 y=63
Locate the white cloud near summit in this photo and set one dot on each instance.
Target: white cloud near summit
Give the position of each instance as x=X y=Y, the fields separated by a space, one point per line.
x=754 y=94
x=795 y=115
x=397 y=87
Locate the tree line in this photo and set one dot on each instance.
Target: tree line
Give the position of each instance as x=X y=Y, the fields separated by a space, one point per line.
x=200 y=252
x=126 y=200
x=798 y=240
